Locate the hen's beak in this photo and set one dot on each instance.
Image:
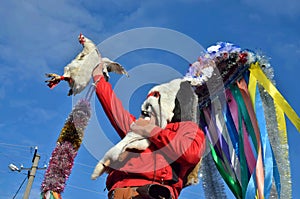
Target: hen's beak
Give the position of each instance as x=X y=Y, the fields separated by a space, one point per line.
x=81 y=38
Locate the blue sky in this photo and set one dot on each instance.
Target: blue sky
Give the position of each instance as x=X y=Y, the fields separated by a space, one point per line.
x=37 y=37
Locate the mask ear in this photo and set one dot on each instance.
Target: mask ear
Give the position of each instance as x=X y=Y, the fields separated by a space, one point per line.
x=186 y=104
x=186 y=109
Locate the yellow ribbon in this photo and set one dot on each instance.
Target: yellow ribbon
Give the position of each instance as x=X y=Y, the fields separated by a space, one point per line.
x=252 y=88
x=56 y=195
x=279 y=100
x=281 y=123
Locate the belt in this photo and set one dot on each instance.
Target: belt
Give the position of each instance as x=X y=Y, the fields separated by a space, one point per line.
x=123 y=193
x=151 y=191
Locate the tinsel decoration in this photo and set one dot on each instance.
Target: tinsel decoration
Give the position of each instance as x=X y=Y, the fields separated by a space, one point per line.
x=62 y=158
x=278 y=139
x=60 y=166
x=212 y=183
x=242 y=114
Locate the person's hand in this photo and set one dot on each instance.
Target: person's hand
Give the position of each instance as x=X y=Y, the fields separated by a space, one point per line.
x=142 y=122
x=143 y=126
x=97 y=72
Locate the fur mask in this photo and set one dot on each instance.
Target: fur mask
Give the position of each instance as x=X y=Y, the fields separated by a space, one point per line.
x=172 y=102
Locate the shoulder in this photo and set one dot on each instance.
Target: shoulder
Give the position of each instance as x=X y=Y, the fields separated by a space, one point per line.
x=182 y=125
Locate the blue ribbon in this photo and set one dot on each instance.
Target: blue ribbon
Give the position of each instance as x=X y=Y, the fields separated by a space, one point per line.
x=270 y=166
x=276 y=175
x=251 y=188
x=233 y=134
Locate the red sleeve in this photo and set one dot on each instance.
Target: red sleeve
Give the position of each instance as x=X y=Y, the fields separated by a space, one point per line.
x=112 y=106
x=184 y=142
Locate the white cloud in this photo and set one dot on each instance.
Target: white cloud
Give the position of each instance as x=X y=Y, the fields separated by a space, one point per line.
x=41 y=33
x=290 y=52
x=31 y=111
x=39 y=37
x=168 y=14
x=255 y=17
x=289 y=8
x=2 y=93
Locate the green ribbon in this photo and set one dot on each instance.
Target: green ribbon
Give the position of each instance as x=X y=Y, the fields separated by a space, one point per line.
x=243 y=114
x=231 y=182
x=243 y=162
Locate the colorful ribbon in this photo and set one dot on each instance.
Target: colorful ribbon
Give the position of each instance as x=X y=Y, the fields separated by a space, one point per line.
x=220 y=156
x=270 y=167
x=231 y=182
x=253 y=122
x=275 y=94
x=269 y=159
x=245 y=135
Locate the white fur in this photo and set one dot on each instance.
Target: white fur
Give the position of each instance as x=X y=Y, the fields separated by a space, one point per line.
x=130 y=141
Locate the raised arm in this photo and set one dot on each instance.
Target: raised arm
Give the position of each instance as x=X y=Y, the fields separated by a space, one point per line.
x=120 y=118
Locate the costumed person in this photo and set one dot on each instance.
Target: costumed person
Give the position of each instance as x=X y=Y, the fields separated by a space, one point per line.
x=176 y=142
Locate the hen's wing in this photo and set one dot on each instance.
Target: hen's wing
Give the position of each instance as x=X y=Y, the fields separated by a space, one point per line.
x=111 y=66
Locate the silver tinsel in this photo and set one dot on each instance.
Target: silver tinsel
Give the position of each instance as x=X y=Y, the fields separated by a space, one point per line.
x=68 y=143
x=278 y=141
x=81 y=115
x=213 y=184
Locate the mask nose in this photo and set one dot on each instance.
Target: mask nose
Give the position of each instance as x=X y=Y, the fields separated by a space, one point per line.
x=145 y=113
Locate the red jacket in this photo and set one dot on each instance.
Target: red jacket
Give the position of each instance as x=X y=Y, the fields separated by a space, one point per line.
x=173 y=153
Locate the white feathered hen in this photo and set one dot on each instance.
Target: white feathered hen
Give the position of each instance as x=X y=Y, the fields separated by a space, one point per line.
x=78 y=73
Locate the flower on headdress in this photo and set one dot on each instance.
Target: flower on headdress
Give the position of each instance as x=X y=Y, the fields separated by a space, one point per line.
x=222 y=47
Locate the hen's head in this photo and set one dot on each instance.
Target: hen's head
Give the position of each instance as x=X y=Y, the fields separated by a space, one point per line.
x=81 y=39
